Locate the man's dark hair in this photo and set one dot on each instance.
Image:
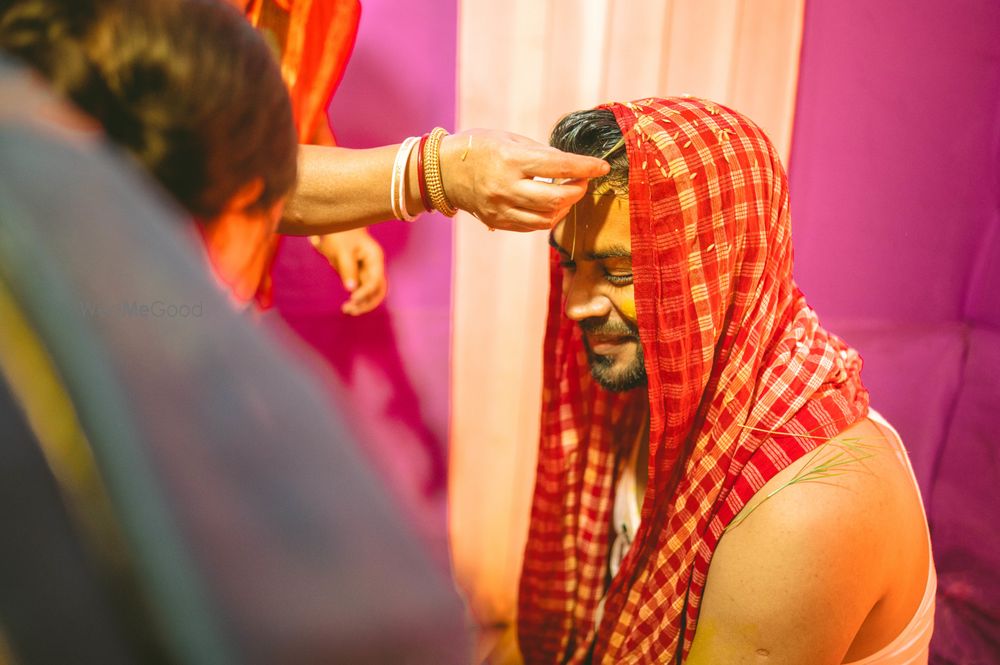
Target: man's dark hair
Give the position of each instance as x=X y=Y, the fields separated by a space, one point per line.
x=187 y=87
x=595 y=132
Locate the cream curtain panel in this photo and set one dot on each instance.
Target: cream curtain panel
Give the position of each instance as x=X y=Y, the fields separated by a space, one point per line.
x=522 y=65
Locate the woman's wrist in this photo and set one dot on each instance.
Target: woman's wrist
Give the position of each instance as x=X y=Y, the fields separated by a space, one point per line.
x=454 y=167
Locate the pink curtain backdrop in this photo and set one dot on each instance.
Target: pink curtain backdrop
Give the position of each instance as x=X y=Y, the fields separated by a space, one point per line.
x=892 y=198
x=895 y=182
x=391 y=364
x=555 y=57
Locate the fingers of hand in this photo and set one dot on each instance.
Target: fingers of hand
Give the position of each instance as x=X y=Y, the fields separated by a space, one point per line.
x=521 y=140
x=373 y=284
x=368 y=296
x=320 y=245
x=372 y=275
x=548 y=198
x=551 y=163
x=521 y=220
x=347 y=267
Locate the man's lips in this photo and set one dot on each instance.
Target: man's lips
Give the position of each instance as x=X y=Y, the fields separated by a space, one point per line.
x=603 y=344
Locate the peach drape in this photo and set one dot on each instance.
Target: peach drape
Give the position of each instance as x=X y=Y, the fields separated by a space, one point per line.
x=523 y=64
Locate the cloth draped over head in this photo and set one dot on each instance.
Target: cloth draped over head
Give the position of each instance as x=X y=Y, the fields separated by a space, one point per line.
x=742 y=381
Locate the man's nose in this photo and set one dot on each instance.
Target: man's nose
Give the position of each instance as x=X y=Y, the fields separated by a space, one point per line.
x=584 y=302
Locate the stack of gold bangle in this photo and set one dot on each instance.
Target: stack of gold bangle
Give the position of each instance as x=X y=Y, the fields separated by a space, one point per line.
x=432 y=173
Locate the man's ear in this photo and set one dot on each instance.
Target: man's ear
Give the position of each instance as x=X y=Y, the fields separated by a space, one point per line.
x=245 y=196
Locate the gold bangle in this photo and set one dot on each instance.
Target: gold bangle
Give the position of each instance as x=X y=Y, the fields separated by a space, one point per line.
x=432 y=174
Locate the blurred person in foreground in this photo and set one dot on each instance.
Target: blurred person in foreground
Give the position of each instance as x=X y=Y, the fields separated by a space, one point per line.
x=174 y=487
x=712 y=486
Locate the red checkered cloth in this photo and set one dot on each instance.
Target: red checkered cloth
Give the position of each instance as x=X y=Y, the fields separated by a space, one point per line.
x=742 y=381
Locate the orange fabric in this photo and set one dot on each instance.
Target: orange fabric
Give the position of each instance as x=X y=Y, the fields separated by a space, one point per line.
x=320 y=38
x=240 y=250
x=321 y=35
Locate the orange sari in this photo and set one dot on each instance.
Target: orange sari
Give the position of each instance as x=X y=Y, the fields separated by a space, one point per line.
x=318 y=42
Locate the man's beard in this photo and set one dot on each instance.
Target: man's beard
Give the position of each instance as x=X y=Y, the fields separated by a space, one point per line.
x=602 y=368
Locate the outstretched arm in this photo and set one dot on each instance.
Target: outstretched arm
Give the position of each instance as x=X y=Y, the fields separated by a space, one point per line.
x=485 y=172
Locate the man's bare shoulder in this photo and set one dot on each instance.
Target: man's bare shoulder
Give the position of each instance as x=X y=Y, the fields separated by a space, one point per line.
x=798 y=572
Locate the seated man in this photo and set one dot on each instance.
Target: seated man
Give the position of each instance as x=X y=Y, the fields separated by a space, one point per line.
x=715 y=488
